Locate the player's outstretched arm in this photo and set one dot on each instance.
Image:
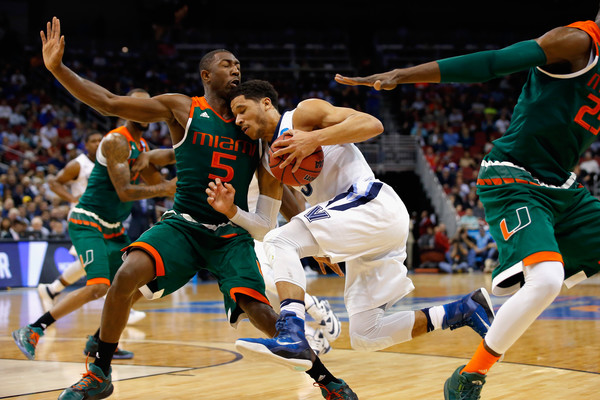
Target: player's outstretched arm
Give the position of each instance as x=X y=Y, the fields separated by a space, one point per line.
x=559 y=45
x=153 y=109
x=116 y=151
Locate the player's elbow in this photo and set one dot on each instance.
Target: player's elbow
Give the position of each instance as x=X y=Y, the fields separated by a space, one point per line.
x=376 y=126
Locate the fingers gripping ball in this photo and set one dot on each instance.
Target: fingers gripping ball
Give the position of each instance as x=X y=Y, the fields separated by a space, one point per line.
x=309 y=169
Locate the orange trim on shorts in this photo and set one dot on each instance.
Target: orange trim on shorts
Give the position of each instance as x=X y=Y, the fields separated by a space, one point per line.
x=248 y=292
x=502 y=181
x=95 y=281
x=229 y=235
x=543 y=256
x=95 y=225
x=158 y=261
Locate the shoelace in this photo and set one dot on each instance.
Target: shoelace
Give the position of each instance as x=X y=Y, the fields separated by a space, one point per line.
x=280 y=325
x=472 y=390
x=87 y=379
x=331 y=395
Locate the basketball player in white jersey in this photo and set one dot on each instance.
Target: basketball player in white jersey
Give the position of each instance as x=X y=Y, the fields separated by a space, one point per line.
x=329 y=328
x=69 y=184
x=353 y=217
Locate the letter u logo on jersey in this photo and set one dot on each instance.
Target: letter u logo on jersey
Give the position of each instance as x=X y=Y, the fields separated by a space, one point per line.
x=523 y=219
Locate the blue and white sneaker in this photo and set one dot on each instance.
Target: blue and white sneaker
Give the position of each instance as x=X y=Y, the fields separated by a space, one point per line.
x=475 y=310
x=289 y=347
x=329 y=322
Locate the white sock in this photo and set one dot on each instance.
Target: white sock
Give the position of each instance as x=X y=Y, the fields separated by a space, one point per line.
x=295 y=307
x=437 y=314
x=56 y=287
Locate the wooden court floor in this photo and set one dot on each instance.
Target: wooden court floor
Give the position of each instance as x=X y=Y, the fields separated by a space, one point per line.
x=184 y=350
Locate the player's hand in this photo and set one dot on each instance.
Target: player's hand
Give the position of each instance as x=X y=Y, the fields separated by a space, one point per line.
x=301 y=145
x=53 y=45
x=385 y=81
x=221 y=196
x=141 y=162
x=325 y=262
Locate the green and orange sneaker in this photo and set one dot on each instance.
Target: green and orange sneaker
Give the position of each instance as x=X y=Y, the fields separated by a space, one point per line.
x=26 y=339
x=94 y=385
x=465 y=386
x=337 y=391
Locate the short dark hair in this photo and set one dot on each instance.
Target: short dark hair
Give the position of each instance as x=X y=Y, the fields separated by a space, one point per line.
x=255 y=89
x=208 y=58
x=88 y=135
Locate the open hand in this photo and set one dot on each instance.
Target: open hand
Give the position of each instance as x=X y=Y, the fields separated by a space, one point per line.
x=53 y=45
x=221 y=196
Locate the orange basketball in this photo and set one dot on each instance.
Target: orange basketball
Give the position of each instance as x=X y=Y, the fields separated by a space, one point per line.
x=309 y=169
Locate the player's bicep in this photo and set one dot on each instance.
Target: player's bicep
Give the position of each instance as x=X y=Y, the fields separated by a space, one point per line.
x=316 y=113
x=139 y=109
x=69 y=173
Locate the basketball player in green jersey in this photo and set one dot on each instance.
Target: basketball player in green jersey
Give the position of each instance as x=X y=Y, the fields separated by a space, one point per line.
x=545 y=223
x=96 y=225
x=207 y=145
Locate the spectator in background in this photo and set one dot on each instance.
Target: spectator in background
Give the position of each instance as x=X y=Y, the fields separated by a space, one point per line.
x=589 y=164
x=468 y=221
x=457 y=257
x=36 y=230
x=485 y=247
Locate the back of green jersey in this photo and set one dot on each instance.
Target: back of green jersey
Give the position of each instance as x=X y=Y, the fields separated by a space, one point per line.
x=100 y=196
x=211 y=148
x=555 y=120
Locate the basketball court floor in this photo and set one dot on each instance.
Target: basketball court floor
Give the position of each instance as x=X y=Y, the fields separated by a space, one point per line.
x=184 y=350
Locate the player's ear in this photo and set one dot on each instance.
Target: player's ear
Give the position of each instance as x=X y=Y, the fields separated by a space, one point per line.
x=266 y=103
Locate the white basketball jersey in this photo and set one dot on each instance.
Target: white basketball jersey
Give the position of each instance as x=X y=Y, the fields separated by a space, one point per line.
x=85 y=169
x=343 y=166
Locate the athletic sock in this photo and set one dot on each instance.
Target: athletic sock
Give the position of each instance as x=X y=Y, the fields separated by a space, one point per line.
x=97 y=335
x=295 y=306
x=435 y=317
x=55 y=288
x=481 y=362
x=104 y=355
x=44 y=321
x=320 y=374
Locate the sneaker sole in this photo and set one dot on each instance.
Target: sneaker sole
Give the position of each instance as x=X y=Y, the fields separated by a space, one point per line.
x=259 y=352
x=136 y=317
x=23 y=350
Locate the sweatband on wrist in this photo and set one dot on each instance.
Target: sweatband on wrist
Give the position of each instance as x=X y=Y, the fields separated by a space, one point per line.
x=485 y=65
x=260 y=222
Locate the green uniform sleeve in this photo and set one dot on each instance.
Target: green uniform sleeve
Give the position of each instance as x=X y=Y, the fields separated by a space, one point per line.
x=485 y=65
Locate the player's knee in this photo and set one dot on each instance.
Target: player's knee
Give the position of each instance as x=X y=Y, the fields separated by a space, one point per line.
x=367 y=338
x=547 y=278
x=97 y=290
x=137 y=270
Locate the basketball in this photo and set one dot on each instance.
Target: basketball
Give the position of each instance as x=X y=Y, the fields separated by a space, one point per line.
x=309 y=169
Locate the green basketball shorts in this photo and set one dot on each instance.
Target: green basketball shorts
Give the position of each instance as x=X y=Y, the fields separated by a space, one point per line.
x=532 y=222
x=181 y=247
x=98 y=246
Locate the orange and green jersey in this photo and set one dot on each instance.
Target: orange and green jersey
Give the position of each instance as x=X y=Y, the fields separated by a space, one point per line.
x=555 y=120
x=212 y=147
x=100 y=201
